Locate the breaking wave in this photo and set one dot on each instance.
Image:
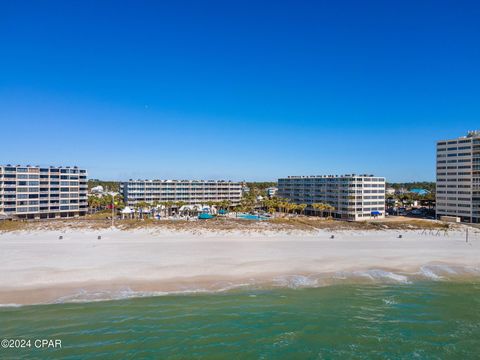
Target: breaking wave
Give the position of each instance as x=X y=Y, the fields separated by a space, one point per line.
x=430 y=272
x=382 y=275
x=296 y=281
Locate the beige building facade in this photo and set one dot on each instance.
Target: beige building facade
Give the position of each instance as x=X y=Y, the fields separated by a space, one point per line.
x=458 y=177
x=354 y=197
x=34 y=192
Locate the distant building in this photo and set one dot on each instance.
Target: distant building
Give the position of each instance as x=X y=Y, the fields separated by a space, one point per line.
x=189 y=191
x=33 y=192
x=458 y=177
x=354 y=197
x=272 y=192
x=245 y=189
x=97 y=190
x=390 y=191
x=401 y=191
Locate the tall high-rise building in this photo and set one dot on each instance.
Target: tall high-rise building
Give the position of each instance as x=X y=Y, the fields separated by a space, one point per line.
x=354 y=197
x=33 y=192
x=458 y=177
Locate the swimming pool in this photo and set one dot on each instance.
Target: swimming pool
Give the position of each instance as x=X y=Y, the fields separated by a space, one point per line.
x=251 y=217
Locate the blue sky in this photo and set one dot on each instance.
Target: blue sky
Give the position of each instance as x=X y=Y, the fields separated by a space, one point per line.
x=241 y=90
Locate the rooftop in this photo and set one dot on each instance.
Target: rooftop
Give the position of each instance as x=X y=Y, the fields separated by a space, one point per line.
x=470 y=134
x=185 y=181
x=38 y=166
x=331 y=176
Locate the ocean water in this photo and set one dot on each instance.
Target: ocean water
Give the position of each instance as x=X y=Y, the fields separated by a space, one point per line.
x=402 y=320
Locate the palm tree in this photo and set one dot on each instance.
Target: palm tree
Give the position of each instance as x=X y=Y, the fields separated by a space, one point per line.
x=289 y=207
x=136 y=213
x=155 y=206
x=247 y=204
x=322 y=207
x=179 y=205
x=225 y=204
x=329 y=209
x=94 y=203
x=316 y=207
x=282 y=205
x=141 y=206
x=169 y=205
x=270 y=205
x=302 y=208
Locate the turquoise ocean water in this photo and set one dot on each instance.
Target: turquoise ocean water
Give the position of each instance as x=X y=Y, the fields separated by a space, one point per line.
x=418 y=320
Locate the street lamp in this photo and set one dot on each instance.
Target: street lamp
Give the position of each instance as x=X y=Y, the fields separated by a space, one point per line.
x=112 y=194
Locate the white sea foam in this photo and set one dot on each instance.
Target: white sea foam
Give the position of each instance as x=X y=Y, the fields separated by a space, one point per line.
x=471 y=270
x=232 y=286
x=447 y=268
x=94 y=296
x=284 y=339
x=382 y=275
x=442 y=271
x=83 y=295
x=295 y=281
x=429 y=272
x=389 y=301
x=126 y=293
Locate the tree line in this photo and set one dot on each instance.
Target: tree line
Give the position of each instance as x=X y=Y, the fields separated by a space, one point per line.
x=427 y=185
x=110 y=185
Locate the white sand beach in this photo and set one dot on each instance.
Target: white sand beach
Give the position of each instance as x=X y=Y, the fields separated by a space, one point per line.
x=38 y=267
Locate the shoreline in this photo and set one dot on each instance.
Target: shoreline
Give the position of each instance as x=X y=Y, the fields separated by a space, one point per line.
x=38 y=267
x=120 y=289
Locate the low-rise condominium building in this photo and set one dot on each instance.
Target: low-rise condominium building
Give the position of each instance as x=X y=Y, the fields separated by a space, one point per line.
x=34 y=192
x=189 y=191
x=353 y=197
